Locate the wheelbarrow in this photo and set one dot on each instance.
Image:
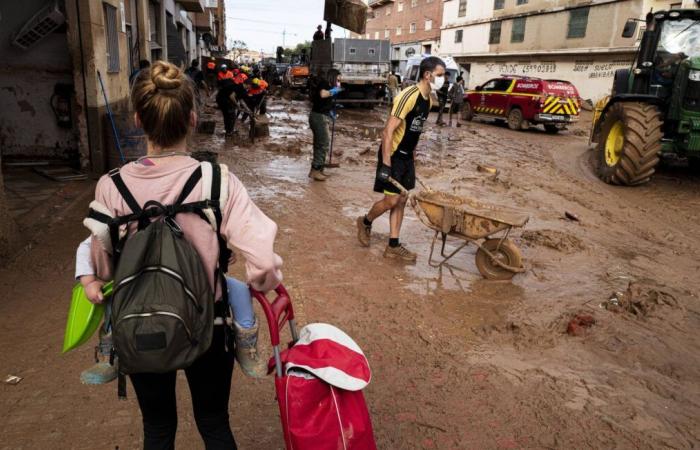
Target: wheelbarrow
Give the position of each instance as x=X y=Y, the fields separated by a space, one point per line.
x=473 y=222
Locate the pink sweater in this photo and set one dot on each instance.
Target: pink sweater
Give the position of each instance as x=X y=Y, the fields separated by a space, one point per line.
x=244 y=226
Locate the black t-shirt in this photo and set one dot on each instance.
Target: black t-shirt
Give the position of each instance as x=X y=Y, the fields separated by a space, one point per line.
x=321 y=105
x=412 y=108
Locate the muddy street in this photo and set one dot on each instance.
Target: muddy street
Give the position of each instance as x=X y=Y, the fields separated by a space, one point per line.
x=458 y=362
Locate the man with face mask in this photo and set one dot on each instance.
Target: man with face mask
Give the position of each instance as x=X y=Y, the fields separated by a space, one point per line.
x=396 y=157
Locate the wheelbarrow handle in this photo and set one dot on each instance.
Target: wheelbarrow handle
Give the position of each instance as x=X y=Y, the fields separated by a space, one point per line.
x=404 y=191
x=278 y=312
x=398 y=186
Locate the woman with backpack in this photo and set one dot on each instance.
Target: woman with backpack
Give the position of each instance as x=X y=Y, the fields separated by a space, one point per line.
x=181 y=193
x=322 y=89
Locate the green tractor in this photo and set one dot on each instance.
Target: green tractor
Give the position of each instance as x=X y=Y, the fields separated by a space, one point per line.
x=654 y=107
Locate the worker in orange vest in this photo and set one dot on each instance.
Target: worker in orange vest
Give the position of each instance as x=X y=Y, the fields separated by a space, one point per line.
x=211 y=73
x=258 y=86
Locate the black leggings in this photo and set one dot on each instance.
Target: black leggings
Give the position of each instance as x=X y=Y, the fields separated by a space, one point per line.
x=209 y=379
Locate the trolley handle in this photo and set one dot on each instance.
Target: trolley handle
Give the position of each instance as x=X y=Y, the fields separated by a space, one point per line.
x=278 y=312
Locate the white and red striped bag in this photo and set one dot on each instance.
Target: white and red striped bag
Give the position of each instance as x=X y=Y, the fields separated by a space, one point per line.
x=320 y=393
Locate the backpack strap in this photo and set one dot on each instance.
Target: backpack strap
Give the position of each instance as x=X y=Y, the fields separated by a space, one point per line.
x=189 y=185
x=124 y=191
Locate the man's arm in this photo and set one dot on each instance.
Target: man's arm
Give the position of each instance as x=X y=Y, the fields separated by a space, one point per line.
x=387 y=137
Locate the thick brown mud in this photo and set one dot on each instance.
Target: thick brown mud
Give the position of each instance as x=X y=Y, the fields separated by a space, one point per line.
x=458 y=362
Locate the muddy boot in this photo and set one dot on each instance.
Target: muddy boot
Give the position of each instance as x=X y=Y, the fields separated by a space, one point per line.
x=363 y=231
x=100 y=373
x=317 y=175
x=399 y=252
x=247 y=354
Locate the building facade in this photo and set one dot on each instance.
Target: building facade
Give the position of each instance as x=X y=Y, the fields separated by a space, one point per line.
x=412 y=26
x=55 y=58
x=575 y=40
x=60 y=70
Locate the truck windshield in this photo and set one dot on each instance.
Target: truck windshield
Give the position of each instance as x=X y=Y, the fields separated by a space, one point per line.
x=680 y=36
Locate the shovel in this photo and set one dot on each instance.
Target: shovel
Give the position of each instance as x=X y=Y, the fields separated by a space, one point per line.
x=331 y=164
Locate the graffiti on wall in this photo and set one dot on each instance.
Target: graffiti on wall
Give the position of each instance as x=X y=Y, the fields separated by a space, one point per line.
x=589 y=69
x=600 y=70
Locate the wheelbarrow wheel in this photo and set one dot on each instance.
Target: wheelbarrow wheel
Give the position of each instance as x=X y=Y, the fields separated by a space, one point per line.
x=508 y=254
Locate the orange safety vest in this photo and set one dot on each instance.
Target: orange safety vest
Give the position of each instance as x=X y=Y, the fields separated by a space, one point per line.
x=211 y=65
x=225 y=75
x=258 y=87
x=240 y=78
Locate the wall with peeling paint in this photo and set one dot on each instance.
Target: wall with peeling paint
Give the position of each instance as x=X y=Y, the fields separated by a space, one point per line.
x=27 y=77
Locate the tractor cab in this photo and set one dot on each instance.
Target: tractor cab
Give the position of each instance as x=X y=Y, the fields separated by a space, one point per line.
x=657 y=100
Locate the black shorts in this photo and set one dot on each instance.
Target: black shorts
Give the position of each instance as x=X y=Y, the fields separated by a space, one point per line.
x=456 y=107
x=403 y=170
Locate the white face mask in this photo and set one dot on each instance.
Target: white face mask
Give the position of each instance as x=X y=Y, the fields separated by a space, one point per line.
x=437 y=84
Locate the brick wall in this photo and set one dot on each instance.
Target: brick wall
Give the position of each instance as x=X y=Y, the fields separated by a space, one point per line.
x=413 y=12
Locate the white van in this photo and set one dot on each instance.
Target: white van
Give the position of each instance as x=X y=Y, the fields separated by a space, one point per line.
x=411 y=74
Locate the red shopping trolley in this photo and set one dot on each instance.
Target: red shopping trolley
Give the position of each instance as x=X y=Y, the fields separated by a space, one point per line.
x=318 y=382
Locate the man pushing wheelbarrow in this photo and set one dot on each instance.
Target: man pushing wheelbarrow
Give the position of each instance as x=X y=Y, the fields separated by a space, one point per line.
x=470 y=221
x=396 y=157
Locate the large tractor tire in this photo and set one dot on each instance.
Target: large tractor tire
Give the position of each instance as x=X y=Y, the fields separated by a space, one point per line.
x=629 y=143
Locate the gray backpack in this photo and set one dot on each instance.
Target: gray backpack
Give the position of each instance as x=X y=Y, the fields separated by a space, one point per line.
x=162 y=306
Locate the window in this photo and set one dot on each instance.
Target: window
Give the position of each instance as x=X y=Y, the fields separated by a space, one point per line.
x=498 y=4
x=111 y=39
x=495 y=33
x=458 y=36
x=428 y=49
x=462 y=8
x=578 y=20
x=371 y=51
x=352 y=50
x=518 y=32
x=428 y=24
x=387 y=33
x=367 y=36
x=376 y=34
x=399 y=7
x=498 y=85
x=154 y=21
x=412 y=28
x=398 y=31
x=521 y=2
x=414 y=3
x=413 y=75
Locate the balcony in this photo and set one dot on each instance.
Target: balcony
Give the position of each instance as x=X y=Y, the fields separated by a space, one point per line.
x=376 y=3
x=196 y=6
x=204 y=21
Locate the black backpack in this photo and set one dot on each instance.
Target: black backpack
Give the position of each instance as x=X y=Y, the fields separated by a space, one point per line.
x=162 y=306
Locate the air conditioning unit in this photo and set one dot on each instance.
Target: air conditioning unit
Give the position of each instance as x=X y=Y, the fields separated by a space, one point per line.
x=39 y=26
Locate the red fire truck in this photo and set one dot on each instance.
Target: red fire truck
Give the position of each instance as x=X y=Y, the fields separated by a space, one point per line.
x=524 y=101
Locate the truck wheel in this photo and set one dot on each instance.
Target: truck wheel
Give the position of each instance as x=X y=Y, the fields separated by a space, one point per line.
x=551 y=129
x=467 y=112
x=515 y=119
x=629 y=143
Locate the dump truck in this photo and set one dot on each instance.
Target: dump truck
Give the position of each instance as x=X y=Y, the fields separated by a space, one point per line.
x=363 y=63
x=654 y=106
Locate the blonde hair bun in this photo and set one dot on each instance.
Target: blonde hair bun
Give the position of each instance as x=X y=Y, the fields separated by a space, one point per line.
x=166 y=76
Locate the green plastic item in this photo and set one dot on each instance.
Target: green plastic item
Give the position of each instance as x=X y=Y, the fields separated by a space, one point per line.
x=84 y=317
